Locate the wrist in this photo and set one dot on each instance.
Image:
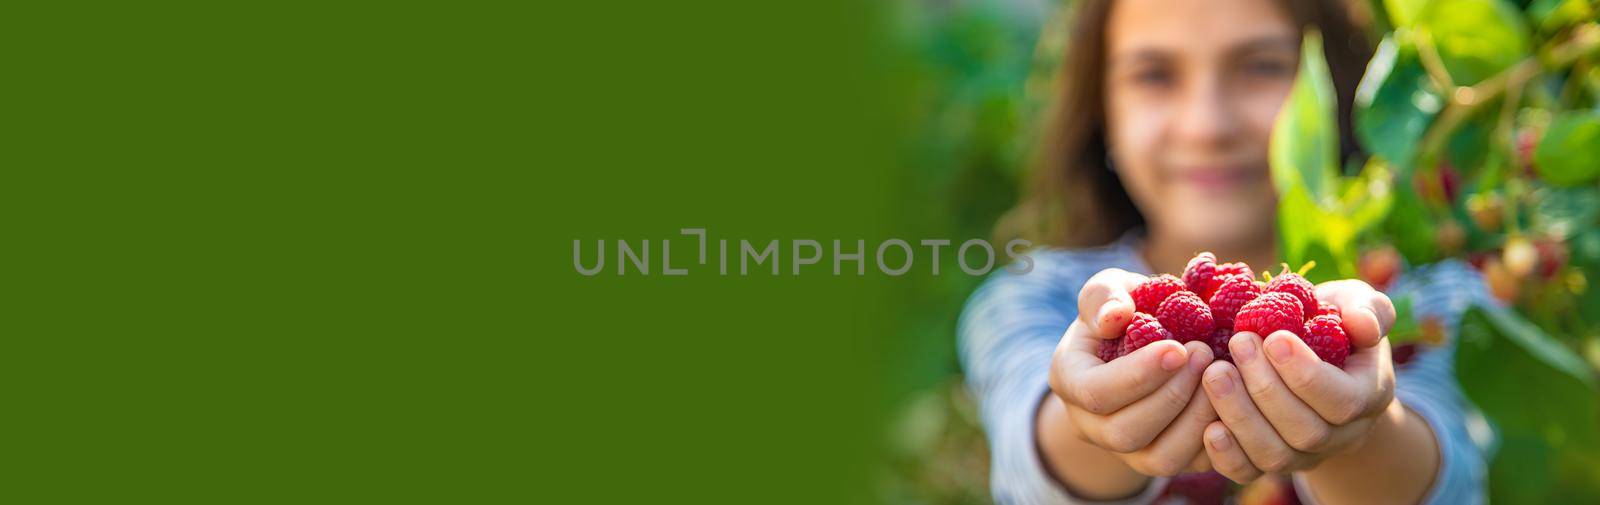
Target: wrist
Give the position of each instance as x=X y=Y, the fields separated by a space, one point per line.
x=1396 y=462
x=1082 y=469
x=1386 y=422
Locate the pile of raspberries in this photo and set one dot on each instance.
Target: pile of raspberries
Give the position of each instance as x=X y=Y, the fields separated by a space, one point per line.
x=1212 y=302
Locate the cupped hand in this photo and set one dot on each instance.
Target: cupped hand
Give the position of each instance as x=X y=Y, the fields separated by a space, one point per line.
x=1283 y=409
x=1143 y=406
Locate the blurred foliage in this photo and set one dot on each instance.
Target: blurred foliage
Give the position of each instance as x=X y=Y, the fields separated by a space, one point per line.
x=976 y=93
x=940 y=456
x=1320 y=213
x=981 y=75
x=1550 y=440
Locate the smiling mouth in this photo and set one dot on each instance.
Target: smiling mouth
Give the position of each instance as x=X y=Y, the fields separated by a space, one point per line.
x=1214 y=179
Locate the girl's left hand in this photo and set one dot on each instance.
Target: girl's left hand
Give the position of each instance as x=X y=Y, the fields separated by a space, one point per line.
x=1283 y=409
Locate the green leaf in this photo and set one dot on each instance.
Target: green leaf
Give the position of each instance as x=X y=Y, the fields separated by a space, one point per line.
x=1585 y=250
x=1320 y=214
x=1540 y=396
x=1411 y=228
x=1468 y=146
x=1405 y=329
x=1550 y=15
x=1520 y=471
x=1493 y=172
x=1305 y=138
x=1563 y=213
x=1569 y=153
x=1368 y=196
x=1475 y=38
x=1403 y=13
x=1307 y=232
x=1395 y=103
x=1528 y=338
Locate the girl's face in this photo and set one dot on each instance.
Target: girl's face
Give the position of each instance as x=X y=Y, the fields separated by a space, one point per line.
x=1192 y=89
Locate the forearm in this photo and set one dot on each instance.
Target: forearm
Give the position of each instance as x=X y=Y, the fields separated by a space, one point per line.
x=1089 y=472
x=1396 y=464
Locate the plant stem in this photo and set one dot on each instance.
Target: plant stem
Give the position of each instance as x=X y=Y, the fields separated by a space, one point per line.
x=1432 y=63
x=1462 y=100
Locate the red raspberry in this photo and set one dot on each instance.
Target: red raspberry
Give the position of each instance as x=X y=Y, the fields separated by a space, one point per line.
x=1449 y=181
x=1226 y=269
x=1380 y=266
x=1198 y=275
x=1208 y=487
x=1552 y=256
x=1270 y=312
x=1186 y=316
x=1143 y=330
x=1148 y=296
x=1403 y=353
x=1292 y=283
x=1219 y=344
x=1326 y=309
x=1324 y=335
x=1109 y=349
x=1232 y=293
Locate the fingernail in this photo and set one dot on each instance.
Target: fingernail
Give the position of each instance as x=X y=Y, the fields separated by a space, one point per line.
x=1172 y=360
x=1220 y=384
x=1106 y=310
x=1246 y=351
x=1219 y=440
x=1370 y=310
x=1280 y=351
x=1197 y=362
x=1376 y=322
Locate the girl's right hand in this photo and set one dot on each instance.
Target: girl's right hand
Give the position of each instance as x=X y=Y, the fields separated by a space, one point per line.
x=1141 y=407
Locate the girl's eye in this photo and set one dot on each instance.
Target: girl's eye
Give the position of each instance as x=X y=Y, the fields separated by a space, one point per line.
x=1269 y=68
x=1152 y=77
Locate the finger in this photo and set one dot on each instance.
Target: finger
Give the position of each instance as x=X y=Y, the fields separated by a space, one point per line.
x=1260 y=442
x=1297 y=424
x=1200 y=464
x=1078 y=344
x=1373 y=368
x=1077 y=352
x=1086 y=344
x=1104 y=303
x=1346 y=437
x=1367 y=314
x=1088 y=425
x=1227 y=458
x=1179 y=441
x=1136 y=425
x=1082 y=380
x=1338 y=396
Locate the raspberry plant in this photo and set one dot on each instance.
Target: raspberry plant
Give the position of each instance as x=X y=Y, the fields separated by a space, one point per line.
x=1480 y=120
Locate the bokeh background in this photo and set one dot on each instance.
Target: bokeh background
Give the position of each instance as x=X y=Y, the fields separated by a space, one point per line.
x=982 y=71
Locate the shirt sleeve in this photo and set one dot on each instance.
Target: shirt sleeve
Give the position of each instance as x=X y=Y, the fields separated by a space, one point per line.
x=1427 y=385
x=1007 y=335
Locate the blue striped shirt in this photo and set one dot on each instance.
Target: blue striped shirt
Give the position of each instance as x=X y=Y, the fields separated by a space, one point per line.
x=1012 y=323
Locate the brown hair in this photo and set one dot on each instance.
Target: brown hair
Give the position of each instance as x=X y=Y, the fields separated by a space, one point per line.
x=1073 y=199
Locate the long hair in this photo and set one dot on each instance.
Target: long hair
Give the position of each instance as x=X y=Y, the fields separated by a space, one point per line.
x=1072 y=198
